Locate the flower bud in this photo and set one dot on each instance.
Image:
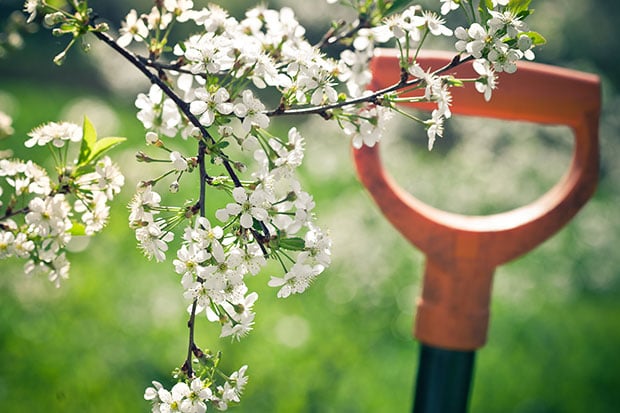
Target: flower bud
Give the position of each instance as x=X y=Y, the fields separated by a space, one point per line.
x=142 y=157
x=60 y=57
x=225 y=130
x=291 y=196
x=152 y=138
x=53 y=19
x=102 y=27
x=239 y=308
x=240 y=166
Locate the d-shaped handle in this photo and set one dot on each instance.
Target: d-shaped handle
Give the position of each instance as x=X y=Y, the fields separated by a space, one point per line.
x=462 y=252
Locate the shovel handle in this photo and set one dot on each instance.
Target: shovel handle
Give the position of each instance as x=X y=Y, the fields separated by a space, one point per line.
x=463 y=251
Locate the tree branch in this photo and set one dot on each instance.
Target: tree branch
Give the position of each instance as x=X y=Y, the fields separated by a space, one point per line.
x=181 y=104
x=187 y=365
x=373 y=97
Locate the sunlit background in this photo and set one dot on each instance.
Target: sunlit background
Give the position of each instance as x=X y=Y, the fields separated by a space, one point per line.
x=344 y=346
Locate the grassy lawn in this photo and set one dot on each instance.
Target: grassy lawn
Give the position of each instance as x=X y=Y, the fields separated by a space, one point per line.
x=345 y=346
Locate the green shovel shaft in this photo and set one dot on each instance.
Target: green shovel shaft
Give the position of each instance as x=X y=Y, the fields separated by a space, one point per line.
x=444 y=380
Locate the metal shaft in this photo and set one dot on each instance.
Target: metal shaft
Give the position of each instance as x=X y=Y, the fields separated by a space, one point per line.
x=444 y=380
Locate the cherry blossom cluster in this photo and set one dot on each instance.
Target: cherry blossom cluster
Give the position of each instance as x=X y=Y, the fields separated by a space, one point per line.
x=497 y=46
x=209 y=133
x=196 y=395
x=269 y=216
x=497 y=38
x=40 y=214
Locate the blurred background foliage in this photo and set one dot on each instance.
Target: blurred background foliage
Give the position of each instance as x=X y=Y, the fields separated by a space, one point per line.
x=344 y=346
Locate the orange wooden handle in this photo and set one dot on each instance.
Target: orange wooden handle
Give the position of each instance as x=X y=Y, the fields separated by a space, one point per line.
x=463 y=251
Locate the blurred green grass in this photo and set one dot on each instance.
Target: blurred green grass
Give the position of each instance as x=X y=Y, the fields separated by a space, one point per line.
x=345 y=345
x=118 y=323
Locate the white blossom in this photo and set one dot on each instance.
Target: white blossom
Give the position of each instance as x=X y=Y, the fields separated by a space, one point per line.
x=317 y=248
x=55 y=133
x=472 y=40
x=58 y=269
x=296 y=280
x=407 y=24
x=202 y=234
x=506 y=21
x=143 y=205
x=209 y=105
x=435 y=24
x=49 y=217
x=525 y=44
x=247 y=206
x=154 y=240
x=133 y=28
x=7 y=241
x=449 y=5
x=368 y=126
x=180 y=8
x=251 y=110
x=94 y=213
x=354 y=70
x=434 y=127
x=208 y=53
x=158 y=112
x=178 y=161
x=487 y=80
x=158 y=21
x=223 y=75
x=109 y=178
x=503 y=58
x=241 y=317
x=6 y=128
x=189 y=259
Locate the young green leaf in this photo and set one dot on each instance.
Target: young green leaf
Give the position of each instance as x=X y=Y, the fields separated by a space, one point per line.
x=483 y=9
x=77 y=229
x=537 y=38
x=396 y=6
x=89 y=137
x=517 y=6
x=293 y=243
x=102 y=146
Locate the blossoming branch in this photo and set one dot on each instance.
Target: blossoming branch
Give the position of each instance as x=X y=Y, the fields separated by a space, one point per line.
x=207 y=120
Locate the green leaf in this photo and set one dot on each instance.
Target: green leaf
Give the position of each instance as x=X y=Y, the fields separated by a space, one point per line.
x=293 y=244
x=537 y=38
x=517 y=6
x=102 y=146
x=484 y=8
x=381 y=6
x=522 y=15
x=89 y=137
x=396 y=6
x=78 y=229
